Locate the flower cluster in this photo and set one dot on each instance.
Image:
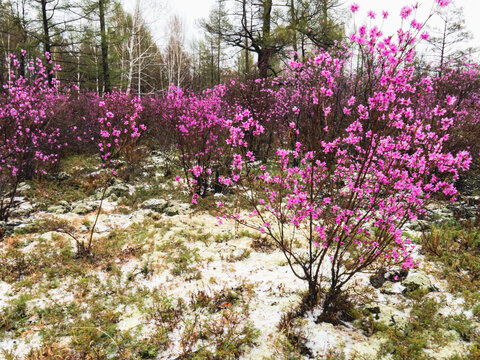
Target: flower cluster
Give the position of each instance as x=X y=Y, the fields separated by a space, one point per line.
x=118 y=125
x=29 y=143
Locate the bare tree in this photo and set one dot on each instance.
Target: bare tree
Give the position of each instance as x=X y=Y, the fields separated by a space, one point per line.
x=447 y=39
x=142 y=50
x=104 y=46
x=176 y=60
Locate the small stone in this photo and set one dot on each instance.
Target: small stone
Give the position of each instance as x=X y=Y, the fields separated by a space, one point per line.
x=158 y=205
x=23 y=188
x=85 y=208
x=417 y=281
x=378 y=280
x=171 y=211
x=64 y=203
x=57 y=209
x=119 y=190
x=24 y=209
x=62 y=175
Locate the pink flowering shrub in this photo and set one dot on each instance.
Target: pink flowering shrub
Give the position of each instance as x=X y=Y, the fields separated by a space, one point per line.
x=119 y=126
x=336 y=204
x=119 y=130
x=77 y=116
x=263 y=101
x=314 y=96
x=29 y=144
x=199 y=134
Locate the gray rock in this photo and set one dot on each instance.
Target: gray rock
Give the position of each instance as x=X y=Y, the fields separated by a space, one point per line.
x=378 y=279
x=419 y=225
x=102 y=228
x=23 y=210
x=62 y=207
x=23 y=188
x=158 y=205
x=392 y=289
x=178 y=209
x=172 y=210
x=15 y=222
x=12 y=225
x=62 y=175
x=418 y=281
x=119 y=190
x=388 y=316
x=57 y=209
x=113 y=192
x=85 y=208
x=82 y=209
x=64 y=203
x=439 y=215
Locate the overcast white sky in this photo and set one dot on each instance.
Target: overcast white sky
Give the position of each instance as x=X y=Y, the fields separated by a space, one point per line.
x=191 y=11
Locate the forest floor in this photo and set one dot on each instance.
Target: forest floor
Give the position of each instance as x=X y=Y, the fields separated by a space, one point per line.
x=166 y=281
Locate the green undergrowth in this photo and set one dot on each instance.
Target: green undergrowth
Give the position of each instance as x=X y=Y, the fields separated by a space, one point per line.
x=103 y=308
x=81 y=180
x=455 y=246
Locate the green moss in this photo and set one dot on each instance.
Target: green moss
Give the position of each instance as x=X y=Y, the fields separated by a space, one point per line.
x=15 y=316
x=183 y=261
x=456 y=244
x=223 y=237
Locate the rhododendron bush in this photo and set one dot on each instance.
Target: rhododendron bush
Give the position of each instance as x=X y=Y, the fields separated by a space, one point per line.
x=336 y=204
x=119 y=132
x=198 y=135
x=118 y=126
x=28 y=142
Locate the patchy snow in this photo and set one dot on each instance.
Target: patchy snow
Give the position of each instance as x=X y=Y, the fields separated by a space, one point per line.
x=5 y=295
x=21 y=346
x=275 y=289
x=455 y=307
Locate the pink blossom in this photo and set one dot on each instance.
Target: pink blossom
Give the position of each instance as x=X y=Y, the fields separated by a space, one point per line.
x=405 y=12
x=443 y=3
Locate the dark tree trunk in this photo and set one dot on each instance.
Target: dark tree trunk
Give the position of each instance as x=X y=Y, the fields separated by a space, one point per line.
x=245 y=27
x=264 y=58
x=46 y=42
x=293 y=19
x=104 y=47
x=265 y=54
